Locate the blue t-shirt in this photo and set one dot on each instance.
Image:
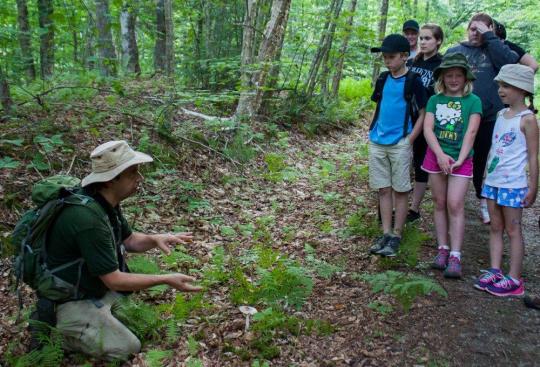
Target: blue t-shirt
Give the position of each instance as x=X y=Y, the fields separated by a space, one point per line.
x=388 y=128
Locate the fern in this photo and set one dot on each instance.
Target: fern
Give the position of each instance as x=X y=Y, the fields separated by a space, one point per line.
x=155 y=357
x=404 y=287
x=50 y=355
x=142 y=319
x=192 y=346
x=285 y=285
x=172 y=331
x=361 y=224
x=183 y=307
x=320 y=267
x=194 y=362
x=143 y=264
x=178 y=259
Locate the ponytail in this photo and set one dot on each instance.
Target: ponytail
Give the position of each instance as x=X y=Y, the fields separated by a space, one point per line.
x=531 y=104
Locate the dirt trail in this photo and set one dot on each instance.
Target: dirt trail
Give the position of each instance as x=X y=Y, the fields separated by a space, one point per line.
x=474 y=328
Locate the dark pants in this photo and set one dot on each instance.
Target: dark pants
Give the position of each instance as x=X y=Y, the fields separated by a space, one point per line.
x=481 y=147
x=419 y=153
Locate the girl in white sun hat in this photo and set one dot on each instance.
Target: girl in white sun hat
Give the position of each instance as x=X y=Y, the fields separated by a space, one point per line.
x=507 y=188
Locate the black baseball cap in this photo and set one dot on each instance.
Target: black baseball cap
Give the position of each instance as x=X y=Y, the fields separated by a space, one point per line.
x=393 y=43
x=411 y=24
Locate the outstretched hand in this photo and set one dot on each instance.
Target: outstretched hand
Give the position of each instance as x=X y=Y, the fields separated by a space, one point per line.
x=166 y=240
x=182 y=283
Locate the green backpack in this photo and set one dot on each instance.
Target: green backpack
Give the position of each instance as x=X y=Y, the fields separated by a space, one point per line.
x=50 y=195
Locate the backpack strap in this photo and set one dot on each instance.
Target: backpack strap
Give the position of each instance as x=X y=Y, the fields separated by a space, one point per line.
x=377 y=95
x=73 y=198
x=411 y=109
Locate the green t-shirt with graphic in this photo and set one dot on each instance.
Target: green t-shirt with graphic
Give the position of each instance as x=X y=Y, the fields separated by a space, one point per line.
x=452 y=120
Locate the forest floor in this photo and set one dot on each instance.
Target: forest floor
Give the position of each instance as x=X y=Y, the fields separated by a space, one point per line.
x=309 y=191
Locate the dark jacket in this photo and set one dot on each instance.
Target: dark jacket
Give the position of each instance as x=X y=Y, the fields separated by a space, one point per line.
x=485 y=62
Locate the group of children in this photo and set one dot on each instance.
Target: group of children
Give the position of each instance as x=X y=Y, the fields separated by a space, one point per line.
x=432 y=113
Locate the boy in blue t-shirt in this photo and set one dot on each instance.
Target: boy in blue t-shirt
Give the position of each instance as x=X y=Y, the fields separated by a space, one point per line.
x=391 y=135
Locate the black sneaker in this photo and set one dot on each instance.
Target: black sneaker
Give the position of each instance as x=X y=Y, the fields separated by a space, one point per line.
x=413 y=216
x=391 y=249
x=532 y=302
x=379 y=244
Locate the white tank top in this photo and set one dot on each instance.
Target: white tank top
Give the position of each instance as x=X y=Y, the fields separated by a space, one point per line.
x=507 y=159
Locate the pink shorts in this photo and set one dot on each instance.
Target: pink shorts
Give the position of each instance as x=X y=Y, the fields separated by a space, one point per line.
x=430 y=165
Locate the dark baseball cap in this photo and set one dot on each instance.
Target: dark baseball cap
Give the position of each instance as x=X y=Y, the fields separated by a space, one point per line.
x=411 y=24
x=393 y=43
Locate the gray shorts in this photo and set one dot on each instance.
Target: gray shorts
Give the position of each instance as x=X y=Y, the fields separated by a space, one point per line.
x=389 y=165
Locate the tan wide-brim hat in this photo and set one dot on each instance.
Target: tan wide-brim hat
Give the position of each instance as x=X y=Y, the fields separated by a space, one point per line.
x=517 y=75
x=111 y=159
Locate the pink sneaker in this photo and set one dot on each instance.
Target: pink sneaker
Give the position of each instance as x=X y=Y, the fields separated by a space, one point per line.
x=487 y=278
x=453 y=270
x=506 y=287
x=441 y=260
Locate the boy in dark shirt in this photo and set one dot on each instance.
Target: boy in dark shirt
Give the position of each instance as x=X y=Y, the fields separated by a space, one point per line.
x=391 y=135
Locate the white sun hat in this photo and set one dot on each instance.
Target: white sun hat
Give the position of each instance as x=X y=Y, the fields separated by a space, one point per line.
x=517 y=75
x=111 y=159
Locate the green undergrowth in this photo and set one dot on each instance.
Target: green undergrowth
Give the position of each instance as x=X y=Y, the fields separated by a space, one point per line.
x=405 y=288
x=261 y=277
x=409 y=254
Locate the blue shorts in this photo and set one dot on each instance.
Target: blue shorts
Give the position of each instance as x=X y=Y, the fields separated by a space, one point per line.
x=512 y=198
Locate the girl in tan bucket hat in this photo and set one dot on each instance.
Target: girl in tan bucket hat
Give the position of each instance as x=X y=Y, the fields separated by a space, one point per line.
x=507 y=188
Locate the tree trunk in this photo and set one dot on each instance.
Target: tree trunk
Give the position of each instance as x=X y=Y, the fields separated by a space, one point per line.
x=25 y=39
x=343 y=50
x=382 y=30
x=415 y=9
x=88 y=55
x=163 y=51
x=105 y=47
x=325 y=44
x=330 y=40
x=427 y=10
x=251 y=99
x=130 y=51
x=248 y=43
x=5 y=97
x=46 y=47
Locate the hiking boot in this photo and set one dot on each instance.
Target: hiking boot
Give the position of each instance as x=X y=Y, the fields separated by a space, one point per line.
x=379 y=244
x=391 y=248
x=532 y=302
x=506 y=287
x=484 y=212
x=488 y=277
x=441 y=260
x=453 y=269
x=413 y=216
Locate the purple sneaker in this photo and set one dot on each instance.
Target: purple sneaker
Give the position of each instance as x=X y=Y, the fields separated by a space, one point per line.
x=453 y=270
x=441 y=260
x=488 y=277
x=506 y=287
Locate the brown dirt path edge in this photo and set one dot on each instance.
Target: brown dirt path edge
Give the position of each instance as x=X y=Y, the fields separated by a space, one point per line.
x=473 y=328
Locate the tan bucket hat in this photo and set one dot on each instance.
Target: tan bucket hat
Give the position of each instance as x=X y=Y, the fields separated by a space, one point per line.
x=517 y=75
x=111 y=159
